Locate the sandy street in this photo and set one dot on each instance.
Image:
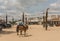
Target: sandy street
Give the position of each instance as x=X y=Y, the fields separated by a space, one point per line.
x=35 y=33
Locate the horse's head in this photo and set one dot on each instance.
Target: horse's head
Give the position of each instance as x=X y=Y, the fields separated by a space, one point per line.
x=26 y=26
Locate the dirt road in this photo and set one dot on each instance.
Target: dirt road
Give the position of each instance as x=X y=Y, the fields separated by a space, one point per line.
x=35 y=33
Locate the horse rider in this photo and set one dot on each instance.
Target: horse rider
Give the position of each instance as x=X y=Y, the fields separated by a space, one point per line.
x=20 y=23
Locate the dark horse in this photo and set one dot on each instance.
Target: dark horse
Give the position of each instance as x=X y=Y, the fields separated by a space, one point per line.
x=21 y=28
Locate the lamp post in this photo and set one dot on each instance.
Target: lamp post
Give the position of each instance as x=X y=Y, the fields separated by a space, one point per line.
x=46 y=18
x=23 y=17
x=6 y=18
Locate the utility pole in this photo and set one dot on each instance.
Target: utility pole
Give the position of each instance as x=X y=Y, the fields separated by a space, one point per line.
x=23 y=17
x=6 y=18
x=46 y=17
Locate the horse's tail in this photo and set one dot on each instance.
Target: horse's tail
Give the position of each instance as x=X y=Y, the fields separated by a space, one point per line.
x=17 y=29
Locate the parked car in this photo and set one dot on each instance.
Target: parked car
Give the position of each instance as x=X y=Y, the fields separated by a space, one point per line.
x=7 y=25
x=0 y=28
x=4 y=25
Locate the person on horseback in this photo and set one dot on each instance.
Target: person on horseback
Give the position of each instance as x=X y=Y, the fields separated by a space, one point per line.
x=21 y=23
x=21 y=27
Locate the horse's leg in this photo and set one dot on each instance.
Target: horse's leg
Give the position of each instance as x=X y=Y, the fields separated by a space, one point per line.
x=24 y=32
x=21 y=32
x=17 y=31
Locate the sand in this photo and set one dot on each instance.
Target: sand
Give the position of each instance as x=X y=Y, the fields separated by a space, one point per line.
x=35 y=33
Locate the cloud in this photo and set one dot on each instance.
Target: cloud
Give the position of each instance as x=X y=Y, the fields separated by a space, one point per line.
x=55 y=5
x=19 y=5
x=26 y=3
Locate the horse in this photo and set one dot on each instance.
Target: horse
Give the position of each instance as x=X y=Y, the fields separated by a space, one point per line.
x=22 y=28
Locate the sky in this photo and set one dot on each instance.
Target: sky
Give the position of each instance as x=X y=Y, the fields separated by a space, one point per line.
x=16 y=7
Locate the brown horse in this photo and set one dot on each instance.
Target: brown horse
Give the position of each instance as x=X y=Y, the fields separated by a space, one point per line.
x=21 y=28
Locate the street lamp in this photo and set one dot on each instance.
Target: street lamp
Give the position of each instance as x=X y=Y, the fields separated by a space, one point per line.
x=6 y=18
x=46 y=17
x=23 y=17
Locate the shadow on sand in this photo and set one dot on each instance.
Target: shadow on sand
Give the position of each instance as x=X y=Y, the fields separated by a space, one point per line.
x=7 y=32
x=28 y=35
x=24 y=36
